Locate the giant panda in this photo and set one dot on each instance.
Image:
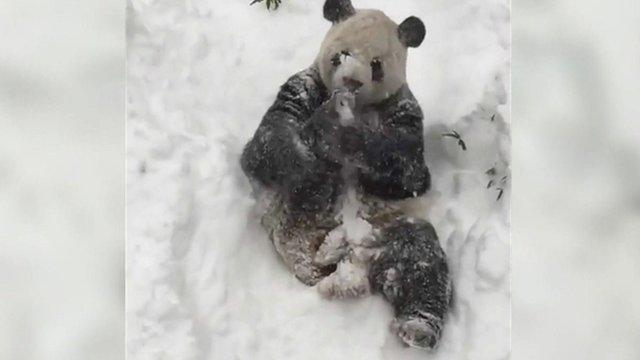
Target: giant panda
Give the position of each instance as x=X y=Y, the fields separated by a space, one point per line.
x=297 y=157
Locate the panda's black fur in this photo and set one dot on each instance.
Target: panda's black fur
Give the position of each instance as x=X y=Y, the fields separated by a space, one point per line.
x=279 y=154
x=284 y=156
x=413 y=275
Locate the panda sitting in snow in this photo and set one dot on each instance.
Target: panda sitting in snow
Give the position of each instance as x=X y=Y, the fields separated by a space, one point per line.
x=336 y=155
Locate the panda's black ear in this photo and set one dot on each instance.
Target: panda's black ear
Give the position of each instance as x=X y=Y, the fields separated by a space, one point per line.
x=411 y=32
x=338 y=10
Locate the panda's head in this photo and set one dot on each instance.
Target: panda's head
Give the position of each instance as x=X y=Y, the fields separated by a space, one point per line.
x=366 y=50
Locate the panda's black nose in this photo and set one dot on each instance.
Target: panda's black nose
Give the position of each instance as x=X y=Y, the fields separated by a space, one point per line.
x=352 y=84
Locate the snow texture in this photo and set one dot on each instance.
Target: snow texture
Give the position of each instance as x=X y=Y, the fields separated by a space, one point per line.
x=204 y=281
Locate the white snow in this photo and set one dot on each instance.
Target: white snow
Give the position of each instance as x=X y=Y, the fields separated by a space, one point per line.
x=203 y=280
x=344 y=108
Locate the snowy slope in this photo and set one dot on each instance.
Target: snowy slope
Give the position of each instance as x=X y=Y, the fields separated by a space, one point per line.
x=203 y=281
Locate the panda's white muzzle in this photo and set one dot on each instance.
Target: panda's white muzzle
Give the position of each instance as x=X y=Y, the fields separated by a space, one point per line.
x=350 y=74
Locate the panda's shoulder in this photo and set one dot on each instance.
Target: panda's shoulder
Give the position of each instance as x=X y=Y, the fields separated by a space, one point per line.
x=402 y=103
x=307 y=78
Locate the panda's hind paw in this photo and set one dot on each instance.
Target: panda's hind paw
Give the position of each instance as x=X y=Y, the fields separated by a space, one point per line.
x=416 y=332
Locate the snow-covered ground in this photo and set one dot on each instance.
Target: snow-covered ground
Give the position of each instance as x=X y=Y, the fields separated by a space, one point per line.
x=203 y=280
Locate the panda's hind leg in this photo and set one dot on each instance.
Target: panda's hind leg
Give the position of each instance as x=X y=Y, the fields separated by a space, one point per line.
x=297 y=241
x=412 y=274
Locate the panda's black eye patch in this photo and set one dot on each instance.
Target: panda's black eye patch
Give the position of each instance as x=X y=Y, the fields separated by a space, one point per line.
x=345 y=53
x=335 y=60
x=377 y=73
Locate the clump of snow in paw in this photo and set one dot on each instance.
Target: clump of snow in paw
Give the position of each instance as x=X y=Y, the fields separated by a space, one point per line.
x=203 y=279
x=345 y=102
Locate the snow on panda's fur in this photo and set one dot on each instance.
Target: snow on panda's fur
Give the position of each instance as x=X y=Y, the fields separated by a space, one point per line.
x=340 y=146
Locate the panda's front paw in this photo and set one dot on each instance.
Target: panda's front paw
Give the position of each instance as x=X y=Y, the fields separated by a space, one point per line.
x=333 y=248
x=313 y=192
x=351 y=141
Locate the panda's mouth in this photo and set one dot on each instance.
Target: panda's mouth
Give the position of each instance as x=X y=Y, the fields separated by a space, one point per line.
x=351 y=84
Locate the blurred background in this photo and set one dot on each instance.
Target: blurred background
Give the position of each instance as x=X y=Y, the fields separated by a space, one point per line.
x=62 y=66
x=576 y=179
x=575 y=199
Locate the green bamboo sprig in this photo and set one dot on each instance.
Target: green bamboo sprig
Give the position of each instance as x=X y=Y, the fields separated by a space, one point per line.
x=275 y=3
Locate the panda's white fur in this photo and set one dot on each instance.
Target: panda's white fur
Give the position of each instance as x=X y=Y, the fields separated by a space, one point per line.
x=367 y=35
